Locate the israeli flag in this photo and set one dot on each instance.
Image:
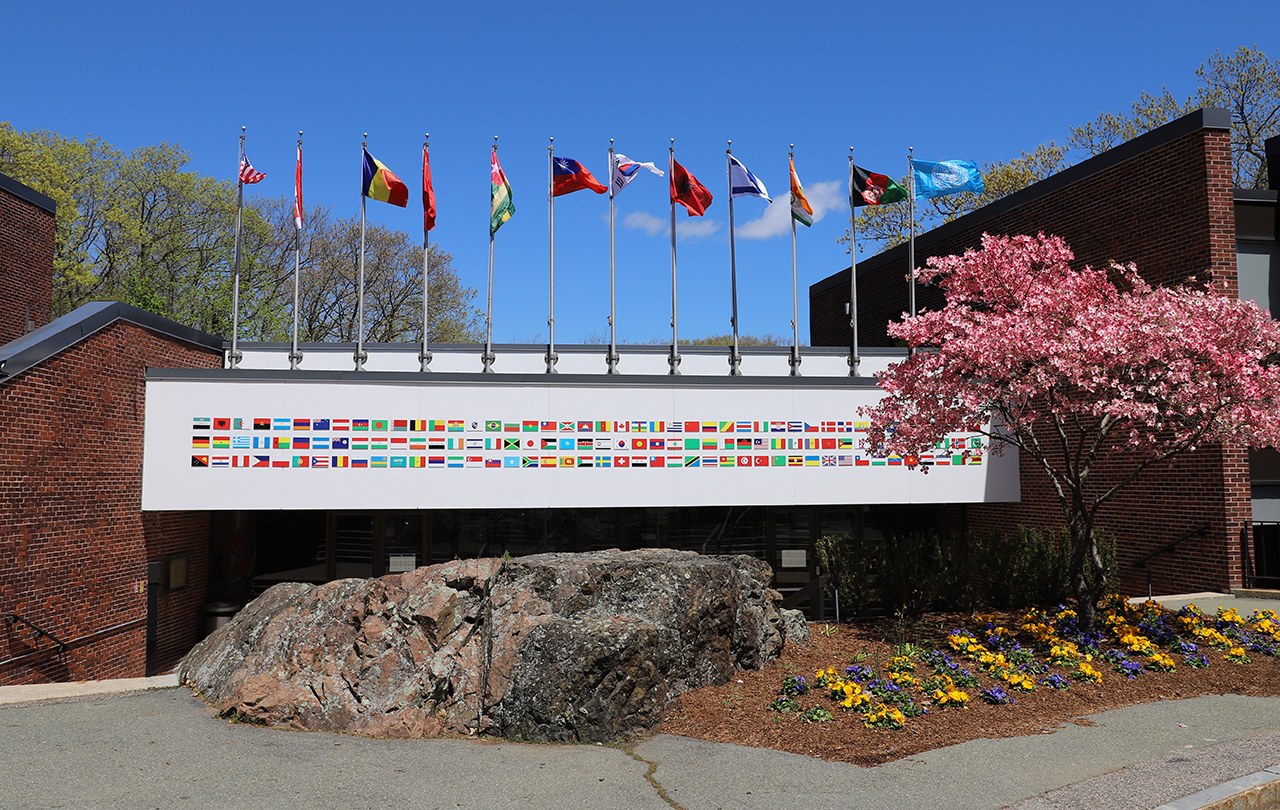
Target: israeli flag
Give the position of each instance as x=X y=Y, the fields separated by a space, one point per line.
x=944 y=177
x=742 y=183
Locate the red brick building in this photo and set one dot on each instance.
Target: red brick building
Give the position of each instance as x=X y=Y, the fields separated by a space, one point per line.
x=1165 y=201
x=90 y=586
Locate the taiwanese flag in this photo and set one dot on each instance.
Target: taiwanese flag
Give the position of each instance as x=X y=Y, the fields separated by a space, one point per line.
x=428 y=194
x=569 y=176
x=686 y=190
x=380 y=183
x=869 y=188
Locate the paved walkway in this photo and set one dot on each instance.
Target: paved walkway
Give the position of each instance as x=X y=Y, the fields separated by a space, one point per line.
x=163 y=748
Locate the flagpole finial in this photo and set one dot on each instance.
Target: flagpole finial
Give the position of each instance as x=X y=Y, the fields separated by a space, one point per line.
x=611 y=141
x=242 y=127
x=495 y=143
x=729 y=148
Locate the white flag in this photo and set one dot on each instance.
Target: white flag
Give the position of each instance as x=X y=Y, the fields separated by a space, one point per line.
x=742 y=183
x=624 y=171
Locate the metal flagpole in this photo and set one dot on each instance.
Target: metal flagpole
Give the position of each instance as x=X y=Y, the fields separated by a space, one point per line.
x=854 y=360
x=735 y=359
x=235 y=285
x=911 y=212
x=551 y=213
x=295 y=356
x=488 y=312
x=674 y=359
x=795 y=306
x=424 y=358
x=612 y=359
x=360 y=356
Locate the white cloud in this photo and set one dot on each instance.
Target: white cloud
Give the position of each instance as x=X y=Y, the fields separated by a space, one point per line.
x=695 y=229
x=776 y=219
x=640 y=221
x=687 y=229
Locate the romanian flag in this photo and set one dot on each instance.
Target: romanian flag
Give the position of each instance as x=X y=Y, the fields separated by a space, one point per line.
x=381 y=184
x=500 y=205
x=569 y=176
x=801 y=210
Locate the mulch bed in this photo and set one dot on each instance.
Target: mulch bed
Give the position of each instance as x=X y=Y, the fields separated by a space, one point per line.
x=737 y=712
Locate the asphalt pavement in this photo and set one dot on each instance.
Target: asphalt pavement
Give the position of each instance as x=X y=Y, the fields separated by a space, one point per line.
x=87 y=746
x=165 y=749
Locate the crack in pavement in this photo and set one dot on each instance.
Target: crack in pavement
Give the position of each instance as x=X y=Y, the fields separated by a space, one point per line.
x=653 y=767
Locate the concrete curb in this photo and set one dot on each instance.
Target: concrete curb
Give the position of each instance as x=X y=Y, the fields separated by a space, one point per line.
x=1257 y=790
x=26 y=693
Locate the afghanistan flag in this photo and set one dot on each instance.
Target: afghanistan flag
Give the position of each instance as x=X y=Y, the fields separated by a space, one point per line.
x=569 y=176
x=500 y=205
x=381 y=184
x=801 y=210
x=686 y=190
x=869 y=188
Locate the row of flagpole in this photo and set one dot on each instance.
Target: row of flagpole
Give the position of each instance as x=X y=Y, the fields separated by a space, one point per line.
x=565 y=175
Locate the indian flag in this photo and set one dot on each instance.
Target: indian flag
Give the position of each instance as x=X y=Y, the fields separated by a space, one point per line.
x=500 y=205
x=801 y=210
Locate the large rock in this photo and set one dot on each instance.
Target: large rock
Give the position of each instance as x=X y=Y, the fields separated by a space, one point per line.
x=566 y=647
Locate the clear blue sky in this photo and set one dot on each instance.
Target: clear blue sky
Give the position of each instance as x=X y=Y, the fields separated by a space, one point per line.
x=981 y=81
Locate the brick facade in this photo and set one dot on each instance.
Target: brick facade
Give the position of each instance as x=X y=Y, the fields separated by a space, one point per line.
x=26 y=259
x=1165 y=202
x=74 y=545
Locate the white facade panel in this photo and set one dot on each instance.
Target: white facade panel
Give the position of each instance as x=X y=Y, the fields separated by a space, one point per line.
x=277 y=443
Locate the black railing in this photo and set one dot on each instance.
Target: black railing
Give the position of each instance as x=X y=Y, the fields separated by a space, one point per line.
x=816 y=589
x=37 y=631
x=1142 y=563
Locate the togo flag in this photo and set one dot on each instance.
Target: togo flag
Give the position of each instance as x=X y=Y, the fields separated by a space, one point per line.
x=500 y=205
x=801 y=210
x=943 y=177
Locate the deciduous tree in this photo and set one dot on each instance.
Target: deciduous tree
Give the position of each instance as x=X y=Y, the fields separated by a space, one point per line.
x=1092 y=374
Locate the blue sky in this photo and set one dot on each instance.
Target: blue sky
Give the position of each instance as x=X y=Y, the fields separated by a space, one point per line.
x=980 y=81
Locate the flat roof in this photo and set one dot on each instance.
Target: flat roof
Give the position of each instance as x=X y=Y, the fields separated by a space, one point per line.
x=1204 y=118
x=27 y=193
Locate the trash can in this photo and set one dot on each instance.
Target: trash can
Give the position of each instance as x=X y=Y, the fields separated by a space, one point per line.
x=218 y=614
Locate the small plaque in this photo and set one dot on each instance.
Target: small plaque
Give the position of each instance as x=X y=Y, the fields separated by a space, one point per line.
x=401 y=563
x=795 y=558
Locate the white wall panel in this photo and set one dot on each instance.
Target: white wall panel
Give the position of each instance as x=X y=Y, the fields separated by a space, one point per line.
x=833 y=468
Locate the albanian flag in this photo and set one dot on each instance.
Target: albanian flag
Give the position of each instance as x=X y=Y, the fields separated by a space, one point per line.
x=686 y=190
x=869 y=188
x=380 y=183
x=569 y=176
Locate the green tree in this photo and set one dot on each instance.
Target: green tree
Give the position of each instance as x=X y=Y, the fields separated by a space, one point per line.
x=143 y=229
x=1246 y=83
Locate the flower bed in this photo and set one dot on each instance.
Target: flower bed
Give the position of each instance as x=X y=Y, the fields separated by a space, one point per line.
x=848 y=694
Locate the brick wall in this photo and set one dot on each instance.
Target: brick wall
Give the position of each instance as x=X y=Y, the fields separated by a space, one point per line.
x=26 y=265
x=1169 y=209
x=74 y=544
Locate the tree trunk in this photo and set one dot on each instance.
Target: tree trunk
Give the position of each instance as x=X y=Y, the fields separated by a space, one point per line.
x=1085 y=560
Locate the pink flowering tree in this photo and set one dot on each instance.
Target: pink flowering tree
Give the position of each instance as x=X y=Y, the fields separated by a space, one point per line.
x=1092 y=374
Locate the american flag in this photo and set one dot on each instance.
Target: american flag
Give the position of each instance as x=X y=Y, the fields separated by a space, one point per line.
x=247 y=173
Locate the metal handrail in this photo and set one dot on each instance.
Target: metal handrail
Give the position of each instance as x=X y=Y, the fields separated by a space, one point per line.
x=1142 y=563
x=72 y=642
x=39 y=631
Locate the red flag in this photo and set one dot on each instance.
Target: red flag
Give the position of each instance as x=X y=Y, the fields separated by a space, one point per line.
x=428 y=194
x=569 y=175
x=297 y=191
x=686 y=190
